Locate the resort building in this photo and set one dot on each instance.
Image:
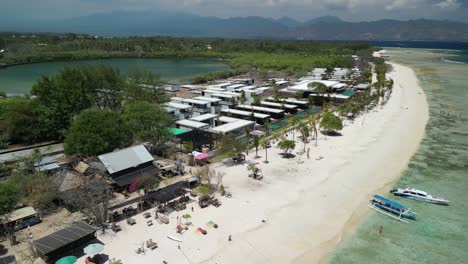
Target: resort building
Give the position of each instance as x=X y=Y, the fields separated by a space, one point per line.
x=275 y=113
x=246 y=115
x=209 y=119
x=189 y=125
x=290 y=108
x=299 y=103
x=234 y=87
x=237 y=128
x=183 y=110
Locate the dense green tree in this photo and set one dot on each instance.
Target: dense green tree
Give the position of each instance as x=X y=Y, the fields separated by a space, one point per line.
x=95 y=132
x=19 y=120
x=9 y=197
x=330 y=122
x=287 y=146
x=72 y=90
x=146 y=86
x=149 y=122
x=319 y=88
x=35 y=188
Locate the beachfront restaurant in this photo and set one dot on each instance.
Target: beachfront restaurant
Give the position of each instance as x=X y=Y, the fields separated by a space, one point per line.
x=69 y=241
x=274 y=113
x=246 y=115
x=127 y=165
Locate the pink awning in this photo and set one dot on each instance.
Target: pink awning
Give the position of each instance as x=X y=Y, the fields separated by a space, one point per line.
x=202 y=156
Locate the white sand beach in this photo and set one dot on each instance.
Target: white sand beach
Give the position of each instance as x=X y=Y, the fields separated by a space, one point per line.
x=308 y=207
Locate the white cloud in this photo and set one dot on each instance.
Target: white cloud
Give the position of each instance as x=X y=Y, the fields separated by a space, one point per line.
x=448 y=4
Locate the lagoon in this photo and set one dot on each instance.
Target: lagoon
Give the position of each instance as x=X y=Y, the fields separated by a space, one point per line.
x=19 y=79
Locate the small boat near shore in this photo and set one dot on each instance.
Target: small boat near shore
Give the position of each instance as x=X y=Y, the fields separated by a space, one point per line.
x=391 y=208
x=419 y=195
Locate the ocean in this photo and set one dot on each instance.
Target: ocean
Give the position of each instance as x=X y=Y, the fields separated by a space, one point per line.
x=440 y=167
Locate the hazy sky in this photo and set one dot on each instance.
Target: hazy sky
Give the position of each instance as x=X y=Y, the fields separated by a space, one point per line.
x=351 y=10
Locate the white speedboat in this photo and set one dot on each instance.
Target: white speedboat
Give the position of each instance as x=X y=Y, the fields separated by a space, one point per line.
x=418 y=195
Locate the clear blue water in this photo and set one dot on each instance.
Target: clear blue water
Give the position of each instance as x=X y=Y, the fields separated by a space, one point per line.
x=19 y=79
x=440 y=166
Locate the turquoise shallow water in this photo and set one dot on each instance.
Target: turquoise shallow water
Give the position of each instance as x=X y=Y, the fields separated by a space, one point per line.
x=440 y=166
x=19 y=79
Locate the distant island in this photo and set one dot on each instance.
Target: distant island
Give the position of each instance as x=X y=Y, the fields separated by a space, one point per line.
x=154 y=23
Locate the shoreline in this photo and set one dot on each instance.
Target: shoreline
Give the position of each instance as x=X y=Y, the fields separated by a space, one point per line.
x=302 y=208
x=5 y=66
x=345 y=223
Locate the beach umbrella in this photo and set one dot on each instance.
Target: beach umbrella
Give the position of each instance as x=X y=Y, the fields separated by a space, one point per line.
x=93 y=249
x=66 y=260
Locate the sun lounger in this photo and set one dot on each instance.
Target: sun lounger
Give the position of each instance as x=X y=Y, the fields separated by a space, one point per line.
x=151 y=245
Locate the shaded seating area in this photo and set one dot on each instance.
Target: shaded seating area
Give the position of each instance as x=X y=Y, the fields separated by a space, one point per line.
x=128 y=178
x=62 y=242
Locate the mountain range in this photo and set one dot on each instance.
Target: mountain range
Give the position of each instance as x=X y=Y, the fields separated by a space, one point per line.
x=152 y=23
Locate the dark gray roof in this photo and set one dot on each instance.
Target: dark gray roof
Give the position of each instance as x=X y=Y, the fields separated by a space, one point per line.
x=8 y=260
x=127 y=178
x=63 y=237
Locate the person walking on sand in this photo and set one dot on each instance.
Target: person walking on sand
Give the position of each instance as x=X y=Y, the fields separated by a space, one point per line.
x=380 y=229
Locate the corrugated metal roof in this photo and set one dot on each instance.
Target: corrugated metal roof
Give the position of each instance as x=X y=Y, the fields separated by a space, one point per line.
x=125 y=158
x=63 y=238
x=21 y=213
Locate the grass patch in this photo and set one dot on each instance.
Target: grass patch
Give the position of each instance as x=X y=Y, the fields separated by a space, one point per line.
x=202 y=189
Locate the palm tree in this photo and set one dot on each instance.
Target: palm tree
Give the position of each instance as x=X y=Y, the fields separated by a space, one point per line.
x=256 y=143
x=293 y=122
x=266 y=124
x=313 y=121
x=304 y=130
x=264 y=144
x=242 y=98
x=247 y=134
x=320 y=88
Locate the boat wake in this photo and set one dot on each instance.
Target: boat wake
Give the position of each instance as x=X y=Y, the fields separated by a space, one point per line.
x=451 y=61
